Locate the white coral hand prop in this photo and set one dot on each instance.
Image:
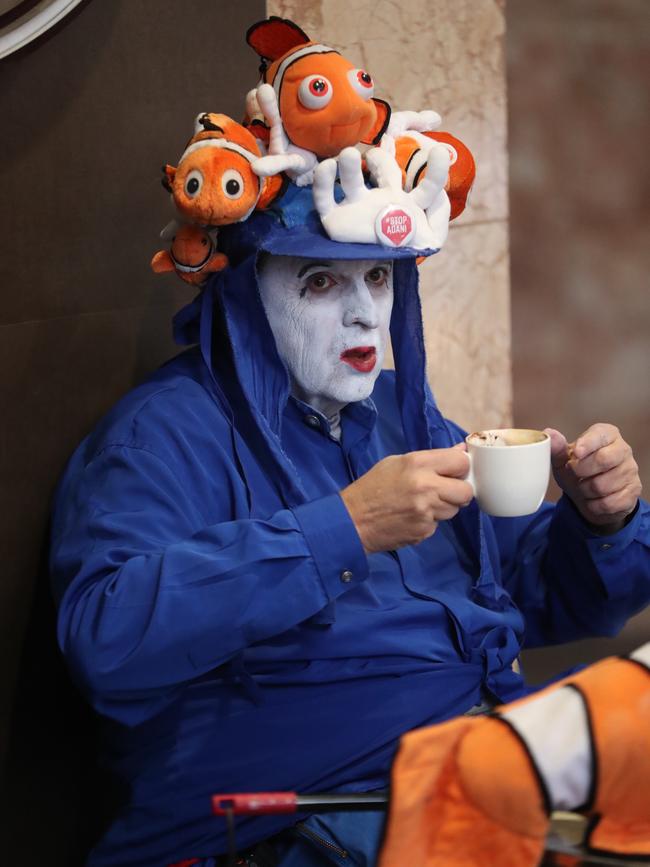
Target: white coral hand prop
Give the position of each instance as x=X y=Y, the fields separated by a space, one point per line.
x=283 y=156
x=384 y=214
x=402 y=122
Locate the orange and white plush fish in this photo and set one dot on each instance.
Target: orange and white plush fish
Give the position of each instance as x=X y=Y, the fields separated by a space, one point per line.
x=412 y=152
x=192 y=255
x=325 y=102
x=315 y=102
x=215 y=182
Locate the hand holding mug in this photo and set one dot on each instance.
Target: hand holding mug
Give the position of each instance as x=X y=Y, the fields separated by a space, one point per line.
x=403 y=497
x=598 y=473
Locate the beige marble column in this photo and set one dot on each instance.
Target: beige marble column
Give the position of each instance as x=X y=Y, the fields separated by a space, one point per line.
x=447 y=56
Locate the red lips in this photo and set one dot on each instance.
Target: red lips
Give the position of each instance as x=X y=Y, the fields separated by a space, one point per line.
x=361 y=358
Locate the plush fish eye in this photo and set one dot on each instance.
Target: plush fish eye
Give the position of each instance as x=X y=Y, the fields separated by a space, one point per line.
x=362 y=83
x=315 y=92
x=232 y=184
x=193 y=183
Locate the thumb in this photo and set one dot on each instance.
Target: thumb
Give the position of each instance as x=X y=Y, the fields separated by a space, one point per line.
x=559 y=448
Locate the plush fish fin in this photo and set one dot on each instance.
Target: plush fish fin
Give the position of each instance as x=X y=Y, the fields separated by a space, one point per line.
x=168 y=175
x=216 y=262
x=383 y=119
x=272 y=189
x=207 y=121
x=162 y=262
x=274 y=36
x=260 y=131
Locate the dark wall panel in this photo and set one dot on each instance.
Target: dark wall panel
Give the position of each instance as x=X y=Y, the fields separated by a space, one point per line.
x=88 y=114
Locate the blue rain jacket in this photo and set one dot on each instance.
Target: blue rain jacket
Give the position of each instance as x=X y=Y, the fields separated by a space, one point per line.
x=217 y=608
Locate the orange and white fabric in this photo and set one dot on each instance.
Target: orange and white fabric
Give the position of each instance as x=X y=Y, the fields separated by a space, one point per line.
x=481 y=790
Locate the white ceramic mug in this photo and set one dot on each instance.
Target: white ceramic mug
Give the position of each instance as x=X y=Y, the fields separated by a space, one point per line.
x=509 y=470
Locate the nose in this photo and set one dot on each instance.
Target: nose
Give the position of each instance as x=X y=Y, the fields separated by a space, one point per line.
x=361 y=307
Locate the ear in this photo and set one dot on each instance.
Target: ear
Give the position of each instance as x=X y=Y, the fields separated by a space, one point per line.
x=275 y=36
x=169 y=173
x=374 y=135
x=162 y=262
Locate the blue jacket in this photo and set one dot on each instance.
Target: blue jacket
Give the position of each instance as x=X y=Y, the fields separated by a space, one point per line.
x=201 y=561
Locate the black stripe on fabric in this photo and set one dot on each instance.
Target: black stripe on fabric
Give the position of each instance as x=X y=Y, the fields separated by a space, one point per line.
x=410 y=160
x=548 y=808
x=418 y=174
x=616 y=857
x=593 y=785
x=384 y=127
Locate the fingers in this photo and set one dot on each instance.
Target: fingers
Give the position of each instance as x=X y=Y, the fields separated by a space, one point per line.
x=560 y=454
x=351 y=175
x=452 y=462
x=273 y=164
x=435 y=179
x=599 y=474
x=595 y=437
x=323 y=189
x=603 y=460
x=267 y=101
x=384 y=169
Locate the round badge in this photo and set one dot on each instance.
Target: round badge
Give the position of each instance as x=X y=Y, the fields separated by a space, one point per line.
x=394 y=226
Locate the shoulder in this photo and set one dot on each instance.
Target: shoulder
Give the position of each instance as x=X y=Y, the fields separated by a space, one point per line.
x=175 y=404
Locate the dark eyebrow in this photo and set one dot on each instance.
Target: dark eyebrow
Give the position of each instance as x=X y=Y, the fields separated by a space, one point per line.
x=306 y=268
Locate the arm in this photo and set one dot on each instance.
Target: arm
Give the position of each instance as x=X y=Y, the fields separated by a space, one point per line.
x=149 y=598
x=570 y=582
x=583 y=568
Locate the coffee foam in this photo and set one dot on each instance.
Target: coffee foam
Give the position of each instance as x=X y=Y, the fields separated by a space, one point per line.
x=507 y=437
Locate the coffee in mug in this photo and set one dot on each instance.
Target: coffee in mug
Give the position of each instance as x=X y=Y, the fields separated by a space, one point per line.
x=509 y=470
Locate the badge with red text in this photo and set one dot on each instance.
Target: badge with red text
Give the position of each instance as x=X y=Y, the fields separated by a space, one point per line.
x=395 y=226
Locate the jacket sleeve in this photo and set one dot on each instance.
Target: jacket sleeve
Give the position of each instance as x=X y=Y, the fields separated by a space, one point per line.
x=149 y=598
x=569 y=582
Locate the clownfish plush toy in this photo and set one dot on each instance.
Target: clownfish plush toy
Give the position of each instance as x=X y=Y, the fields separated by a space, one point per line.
x=312 y=103
x=412 y=152
x=325 y=102
x=192 y=256
x=215 y=182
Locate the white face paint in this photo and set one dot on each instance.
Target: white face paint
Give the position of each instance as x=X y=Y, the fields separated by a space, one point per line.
x=330 y=320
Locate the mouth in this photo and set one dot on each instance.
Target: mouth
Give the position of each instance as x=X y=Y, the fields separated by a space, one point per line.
x=361 y=358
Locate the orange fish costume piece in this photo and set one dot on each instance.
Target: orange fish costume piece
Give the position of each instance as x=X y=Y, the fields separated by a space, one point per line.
x=480 y=790
x=192 y=256
x=215 y=183
x=325 y=102
x=411 y=153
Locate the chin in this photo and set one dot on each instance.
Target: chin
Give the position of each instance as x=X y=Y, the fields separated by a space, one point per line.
x=356 y=389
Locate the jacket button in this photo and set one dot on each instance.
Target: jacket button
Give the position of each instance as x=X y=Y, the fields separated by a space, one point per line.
x=312 y=421
x=346 y=576
x=605 y=547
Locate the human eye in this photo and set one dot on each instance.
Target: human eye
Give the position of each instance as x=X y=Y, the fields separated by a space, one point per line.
x=317 y=283
x=378 y=276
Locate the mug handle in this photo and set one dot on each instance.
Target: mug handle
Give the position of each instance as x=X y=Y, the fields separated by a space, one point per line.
x=470 y=478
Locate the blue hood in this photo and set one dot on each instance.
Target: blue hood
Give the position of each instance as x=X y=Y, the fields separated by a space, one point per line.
x=230 y=305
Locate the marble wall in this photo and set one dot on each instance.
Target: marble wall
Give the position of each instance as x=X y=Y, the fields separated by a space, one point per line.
x=579 y=127
x=580 y=221
x=447 y=56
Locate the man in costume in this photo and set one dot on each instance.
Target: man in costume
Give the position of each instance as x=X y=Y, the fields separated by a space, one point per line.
x=268 y=565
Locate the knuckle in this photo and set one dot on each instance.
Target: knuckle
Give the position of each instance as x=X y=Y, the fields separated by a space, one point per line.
x=598 y=486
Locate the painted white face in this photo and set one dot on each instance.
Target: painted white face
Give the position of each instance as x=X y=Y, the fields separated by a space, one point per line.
x=330 y=320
